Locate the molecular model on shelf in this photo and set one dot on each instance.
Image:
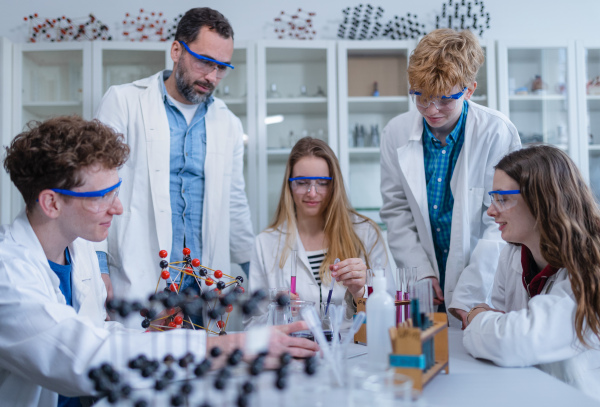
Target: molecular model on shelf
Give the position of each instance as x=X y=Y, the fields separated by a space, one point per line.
x=146 y=26
x=63 y=28
x=201 y=280
x=298 y=25
x=463 y=15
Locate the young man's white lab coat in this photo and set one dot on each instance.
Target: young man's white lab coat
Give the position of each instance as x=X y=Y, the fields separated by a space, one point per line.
x=475 y=242
x=48 y=347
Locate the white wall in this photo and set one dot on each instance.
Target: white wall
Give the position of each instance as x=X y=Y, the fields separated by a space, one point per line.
x=253 y=20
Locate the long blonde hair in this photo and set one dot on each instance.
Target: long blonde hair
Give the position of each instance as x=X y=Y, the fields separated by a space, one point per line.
x=342 y=240
x=569 y=222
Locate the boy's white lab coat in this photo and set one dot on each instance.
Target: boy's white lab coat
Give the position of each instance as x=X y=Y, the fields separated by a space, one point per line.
x=48 y=347
x=265 y=272
x=538 y=331
x=475 y=242
x=135 y=238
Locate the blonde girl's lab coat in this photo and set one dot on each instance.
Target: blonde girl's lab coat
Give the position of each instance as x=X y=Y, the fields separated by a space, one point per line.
x=48 y=347
x=475 y=242
x=135 y=238
x=538 y=331
x=265 y=272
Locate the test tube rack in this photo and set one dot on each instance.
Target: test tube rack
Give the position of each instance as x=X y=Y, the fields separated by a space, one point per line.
x=408 y=356
x=361 y=305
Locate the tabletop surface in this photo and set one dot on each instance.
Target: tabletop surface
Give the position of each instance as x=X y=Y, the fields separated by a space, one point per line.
x=471 y=382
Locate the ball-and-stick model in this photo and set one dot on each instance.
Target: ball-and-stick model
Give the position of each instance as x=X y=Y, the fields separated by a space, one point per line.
x=214 y=285
x=146 y=26
x=298 y=25
x=63 y=28
x=463 y=15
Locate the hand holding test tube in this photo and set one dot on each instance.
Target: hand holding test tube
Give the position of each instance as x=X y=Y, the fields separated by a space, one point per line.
x=331 y=288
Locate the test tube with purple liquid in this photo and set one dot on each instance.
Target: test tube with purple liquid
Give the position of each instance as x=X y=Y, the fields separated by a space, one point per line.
x=369 y=282
x=293 y=282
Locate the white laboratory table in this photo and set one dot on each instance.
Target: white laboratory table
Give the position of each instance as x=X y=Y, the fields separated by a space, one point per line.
x=471 y=382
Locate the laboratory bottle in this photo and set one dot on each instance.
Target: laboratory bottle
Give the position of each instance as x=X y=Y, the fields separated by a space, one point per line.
x=381 y=316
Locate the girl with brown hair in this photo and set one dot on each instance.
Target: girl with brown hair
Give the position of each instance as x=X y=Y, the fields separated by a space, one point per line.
x=547 y=286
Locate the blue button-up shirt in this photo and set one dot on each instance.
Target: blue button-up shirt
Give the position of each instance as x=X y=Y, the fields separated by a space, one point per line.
x=439 y=166
x=188 y=154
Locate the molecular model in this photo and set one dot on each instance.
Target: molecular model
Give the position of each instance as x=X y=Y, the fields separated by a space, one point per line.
x=295 y=26
x=147 y=26
x=63 y=28
x=184 y=379
x=364 y=23
x=402 y=28
x=214 y=283
x=461 y=14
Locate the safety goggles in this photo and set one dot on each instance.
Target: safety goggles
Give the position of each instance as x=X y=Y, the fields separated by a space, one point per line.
x=502 y=199
x=303 y=185
x=441 y=103
x=95 y=201
x=205 y=65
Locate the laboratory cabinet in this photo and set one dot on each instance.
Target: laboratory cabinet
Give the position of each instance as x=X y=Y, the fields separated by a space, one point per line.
x=7 y=190
x=296 y=97
x=537 y=91
x=588 y=109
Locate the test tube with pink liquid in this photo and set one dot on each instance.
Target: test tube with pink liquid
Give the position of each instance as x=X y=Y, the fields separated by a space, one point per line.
x=294 y=262
x=369 y=282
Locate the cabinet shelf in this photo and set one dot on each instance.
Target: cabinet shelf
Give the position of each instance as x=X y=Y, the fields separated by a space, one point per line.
x=378 y=105
x=364 y=151
x=514 y=98
x=301 y=106
x=53 y=108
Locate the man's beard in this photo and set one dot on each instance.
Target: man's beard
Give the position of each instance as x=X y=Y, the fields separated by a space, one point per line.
x=187 y=90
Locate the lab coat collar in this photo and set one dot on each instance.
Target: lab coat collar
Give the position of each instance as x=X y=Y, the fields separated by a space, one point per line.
x=23 y=233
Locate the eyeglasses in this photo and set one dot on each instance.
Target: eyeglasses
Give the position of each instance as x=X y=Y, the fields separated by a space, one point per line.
x=441 y=103
x=303 y=185
x=206 y=65
x=500 y=200
x=95 y=201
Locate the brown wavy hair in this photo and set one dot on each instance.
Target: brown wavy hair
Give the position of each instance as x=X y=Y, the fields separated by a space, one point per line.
x=342 y=240
x=443 y=59
x=51 y=154
x=569 y=222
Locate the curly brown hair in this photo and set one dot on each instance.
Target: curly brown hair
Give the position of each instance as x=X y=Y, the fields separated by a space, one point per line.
x=51 y=154
x=443 y=59
x=569 y=222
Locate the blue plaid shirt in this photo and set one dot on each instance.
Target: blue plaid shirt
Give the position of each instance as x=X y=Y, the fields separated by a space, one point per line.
x=439 y=166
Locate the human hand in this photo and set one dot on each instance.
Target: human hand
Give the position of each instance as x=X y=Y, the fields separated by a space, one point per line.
x=352 y=273
x=437 y=291
x=460 y=314
x=294 y=296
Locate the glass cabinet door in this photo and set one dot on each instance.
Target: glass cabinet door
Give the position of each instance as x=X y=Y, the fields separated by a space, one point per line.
x=485 y=94
x=536 y=90
x=54 y=79
x=117 y=63
x=238 y=91
x=296 y=98
x=589 y=119
x=373 y=89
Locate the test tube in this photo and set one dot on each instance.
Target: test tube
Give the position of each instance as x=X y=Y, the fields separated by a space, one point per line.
x=369 y=282
x=399 y=294
x=294 y=262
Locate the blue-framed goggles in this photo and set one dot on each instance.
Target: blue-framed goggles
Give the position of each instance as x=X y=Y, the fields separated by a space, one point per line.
x=442 y=103
x=89 y=194
x=206 y=65
x=500 y=200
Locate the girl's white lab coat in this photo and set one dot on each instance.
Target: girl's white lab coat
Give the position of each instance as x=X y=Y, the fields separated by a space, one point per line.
x=475 y=242
x=135 y=238
x=538 y=331
x=48 y=347
x=265 y=272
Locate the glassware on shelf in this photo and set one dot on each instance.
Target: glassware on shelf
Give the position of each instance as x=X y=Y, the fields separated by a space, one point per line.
x=538 y=86
x=303 y=92
x=375 y=135
x=273 y=92
x=320 y=92
x=226 y=92
x=375 y=89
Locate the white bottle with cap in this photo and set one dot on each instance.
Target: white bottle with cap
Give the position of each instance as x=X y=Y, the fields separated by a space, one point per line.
x=381 y=316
